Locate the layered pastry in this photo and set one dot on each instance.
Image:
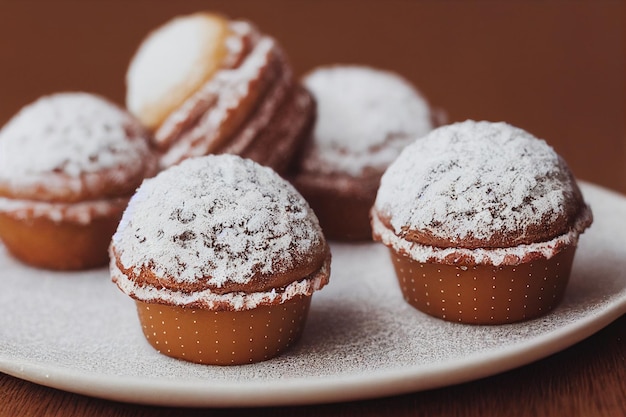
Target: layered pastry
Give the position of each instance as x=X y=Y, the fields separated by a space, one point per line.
x=204 y=84
x=365 y=117
x=482 y=220
x=69 y=163
x=222 y=257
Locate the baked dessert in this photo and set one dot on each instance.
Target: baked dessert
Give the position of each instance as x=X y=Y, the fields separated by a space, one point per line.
x=365 y=117
x=482 y=220
x=222 y=257
x=69 y=163
x=204 y=84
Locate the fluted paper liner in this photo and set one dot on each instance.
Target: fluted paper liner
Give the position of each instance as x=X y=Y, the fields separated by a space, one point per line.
x=485 y=294
x=223 y=337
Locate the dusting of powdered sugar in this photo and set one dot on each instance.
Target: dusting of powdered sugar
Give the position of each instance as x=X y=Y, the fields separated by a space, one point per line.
x=69 y=134
x=473 y=180
x=216 y=219
x=365 y=117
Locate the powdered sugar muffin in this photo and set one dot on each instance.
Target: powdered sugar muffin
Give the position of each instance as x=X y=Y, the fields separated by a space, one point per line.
x=365 y=118
x=486 y=228
x=205 y=84
x=69 y=163
x=222 y=257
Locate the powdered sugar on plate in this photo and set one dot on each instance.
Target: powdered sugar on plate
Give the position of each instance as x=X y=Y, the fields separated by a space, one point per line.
x=473 y=180
x=219 y=218
x=365 y=117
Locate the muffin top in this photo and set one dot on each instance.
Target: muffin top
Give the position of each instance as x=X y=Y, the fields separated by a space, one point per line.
x=73 y=147
x=365 y=117
x=220 y=224
x=480 y=185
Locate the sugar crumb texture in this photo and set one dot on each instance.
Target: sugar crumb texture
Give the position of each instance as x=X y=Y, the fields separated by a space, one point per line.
x=365 y=117
x=473 y=180
x=219 y=218
x=69 y=134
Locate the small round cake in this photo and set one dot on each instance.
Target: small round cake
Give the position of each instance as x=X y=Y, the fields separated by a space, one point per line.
x=69 y=163
x=222 y=257
x=482 y=220
x=365 y=118
x=205 y=84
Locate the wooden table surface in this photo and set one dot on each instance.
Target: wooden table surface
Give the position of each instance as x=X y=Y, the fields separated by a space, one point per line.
x=553 y=67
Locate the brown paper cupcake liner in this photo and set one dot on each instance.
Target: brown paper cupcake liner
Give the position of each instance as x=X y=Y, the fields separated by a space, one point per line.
x=223 y=337
x=44 y=243
x=485 y=294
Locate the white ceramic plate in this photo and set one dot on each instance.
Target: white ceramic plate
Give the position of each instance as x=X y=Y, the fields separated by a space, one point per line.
x=78 y=332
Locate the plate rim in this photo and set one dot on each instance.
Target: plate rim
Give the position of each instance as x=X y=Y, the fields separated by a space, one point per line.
x=312 y=390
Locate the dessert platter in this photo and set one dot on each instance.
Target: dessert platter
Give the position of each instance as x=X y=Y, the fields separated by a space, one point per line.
x=228 y=191
x=77 y=332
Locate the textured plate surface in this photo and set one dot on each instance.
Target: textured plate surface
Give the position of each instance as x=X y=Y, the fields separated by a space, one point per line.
x=78 y=332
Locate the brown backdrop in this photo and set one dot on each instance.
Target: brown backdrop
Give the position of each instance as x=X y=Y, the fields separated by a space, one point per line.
x=555 y=68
